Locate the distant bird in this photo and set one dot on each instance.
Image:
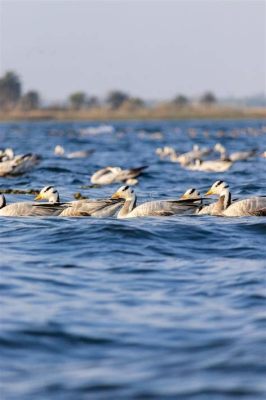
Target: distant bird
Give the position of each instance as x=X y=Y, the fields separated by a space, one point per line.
x=254 y=206
x=6 y=154
x=194 y=154
x=209 y=165
x=157 y=208
x=184 y=158
x=236 y=156
x=60 y=151
x=18 y=165
x=165 y=151
x=109 y=175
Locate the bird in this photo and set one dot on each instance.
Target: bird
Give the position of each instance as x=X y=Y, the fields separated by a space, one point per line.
x=157 y=208
x=60 y=151
x=184 y=158
x=84 y=207
x=236 y=156
x=209 y=165
x=109 y=175
x=26 y=209
x=194 y=194
x=6 y=154
x=165 y=151
x=18 y=164
x=254 y=206
x=194 y=154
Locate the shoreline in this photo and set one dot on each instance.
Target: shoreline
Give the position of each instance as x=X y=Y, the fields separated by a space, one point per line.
x=144 y=114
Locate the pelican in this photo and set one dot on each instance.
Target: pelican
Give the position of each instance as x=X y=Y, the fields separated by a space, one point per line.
x=209 y=165
x=252 y=206
x=26 y=209
x=109 y=175
x=85 y=207
x=236 y=156
x=157 y=208
x=60 y=151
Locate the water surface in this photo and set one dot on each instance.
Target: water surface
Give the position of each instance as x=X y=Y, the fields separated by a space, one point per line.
x=169 y=308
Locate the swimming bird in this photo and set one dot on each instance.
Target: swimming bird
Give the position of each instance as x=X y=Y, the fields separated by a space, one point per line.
x=165 y=151
x=109 y=175
x=157 y=208
x=60 y=151
x=193 y=194
x=23 y=209
x=18 y=165
x=83 y=208
x=247 y=207
x=236 y=156
x=209 y=165
x=194 y=154
x=6 y=154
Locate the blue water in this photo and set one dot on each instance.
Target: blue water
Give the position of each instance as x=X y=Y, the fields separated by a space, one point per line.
x=169 y=308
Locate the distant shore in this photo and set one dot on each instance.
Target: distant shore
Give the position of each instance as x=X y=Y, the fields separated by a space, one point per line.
x=145 y=113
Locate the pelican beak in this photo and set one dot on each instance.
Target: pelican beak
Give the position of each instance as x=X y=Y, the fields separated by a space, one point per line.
x=209 y=193
x=116 y=195
x=38 y=197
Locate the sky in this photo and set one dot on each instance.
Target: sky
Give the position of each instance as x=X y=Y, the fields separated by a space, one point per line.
x=152 y=49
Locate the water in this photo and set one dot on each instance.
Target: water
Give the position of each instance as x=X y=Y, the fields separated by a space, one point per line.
x=170 y=308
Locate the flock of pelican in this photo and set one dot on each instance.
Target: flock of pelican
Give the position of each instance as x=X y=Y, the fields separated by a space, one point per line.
x=123 y=202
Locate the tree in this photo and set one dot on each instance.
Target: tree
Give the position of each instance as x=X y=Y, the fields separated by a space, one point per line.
x=208 y=98
x=92 y=101
x=77 y=100
x=10 y=89
x=30 y=100
x=116 y=98
x=181 y=100
x=136 y=102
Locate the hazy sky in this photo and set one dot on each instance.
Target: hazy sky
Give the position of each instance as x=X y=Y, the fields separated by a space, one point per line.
x=154 y=49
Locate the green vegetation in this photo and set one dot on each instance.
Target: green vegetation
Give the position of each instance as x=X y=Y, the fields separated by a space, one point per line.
x=16 y=105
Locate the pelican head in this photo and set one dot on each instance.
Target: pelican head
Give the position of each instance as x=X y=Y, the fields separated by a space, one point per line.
x=217 y=188
x=124 y=192
x=191 y=194
x=48 y=193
